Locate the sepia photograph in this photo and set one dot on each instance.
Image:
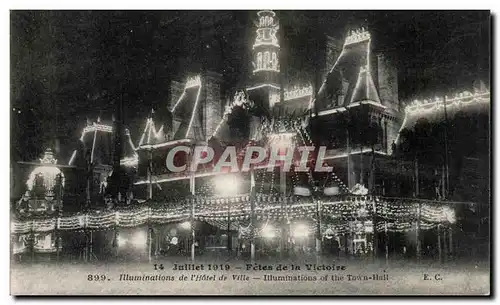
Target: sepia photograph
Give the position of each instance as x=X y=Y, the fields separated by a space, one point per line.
x=250 y=152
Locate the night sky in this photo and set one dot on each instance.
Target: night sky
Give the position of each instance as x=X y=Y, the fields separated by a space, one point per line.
x=70 y=65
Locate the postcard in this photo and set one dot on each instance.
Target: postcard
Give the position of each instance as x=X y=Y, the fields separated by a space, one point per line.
x=266 y=152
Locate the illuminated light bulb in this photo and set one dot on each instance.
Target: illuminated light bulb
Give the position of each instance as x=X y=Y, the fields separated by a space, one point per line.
x=186 y=225
x=139 y=239
x=300 y=231
x=121 y=242
x=268 y=231
x=227 y=184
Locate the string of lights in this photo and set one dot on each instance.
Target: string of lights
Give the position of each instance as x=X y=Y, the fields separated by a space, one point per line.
x=345 y=208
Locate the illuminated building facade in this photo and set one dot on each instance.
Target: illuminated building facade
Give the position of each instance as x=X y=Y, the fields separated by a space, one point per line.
x=376 y=187
x=43 y=197
x=39 y=229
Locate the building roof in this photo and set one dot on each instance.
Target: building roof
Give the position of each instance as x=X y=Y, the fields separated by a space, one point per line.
x=129 y=156
x=186 y=111
x=365 y=89
x=350 y=77
x=97 y=139
x=151 y=135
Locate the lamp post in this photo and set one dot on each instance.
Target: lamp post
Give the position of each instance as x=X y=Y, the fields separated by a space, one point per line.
x=283 y=142
x=318 y=225
x=229 y=237
x=283 y=210
x=227 y=185
x=252 y=215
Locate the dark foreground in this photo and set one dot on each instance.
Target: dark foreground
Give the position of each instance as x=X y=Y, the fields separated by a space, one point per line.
x=360 y=277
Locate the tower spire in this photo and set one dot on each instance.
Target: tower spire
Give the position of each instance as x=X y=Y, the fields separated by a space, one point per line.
x=266 y=46
x=265 y=78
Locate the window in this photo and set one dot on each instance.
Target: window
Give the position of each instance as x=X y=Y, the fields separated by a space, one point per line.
x=266 y=60
x=274 y=61
x=259 y=60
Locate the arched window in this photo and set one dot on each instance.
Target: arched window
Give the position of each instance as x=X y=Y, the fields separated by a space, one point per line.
x=266 y=60
x=274 y=61
x=270 y=20
x=259 y=60
x=261 y=21
x=267 y=21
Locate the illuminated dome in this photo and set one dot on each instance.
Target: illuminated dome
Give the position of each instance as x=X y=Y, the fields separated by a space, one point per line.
x=48 y=170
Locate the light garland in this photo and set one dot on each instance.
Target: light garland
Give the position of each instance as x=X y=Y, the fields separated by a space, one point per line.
x=263 y=86
x=427 y=107
x=130 y=161
x=195 y=108
x=357 y=36
x=240 y=100
x=150 y=130
x=193 y=82
x=460 y=99
x=346 y=208
x=273 y=43
x=298 y=92
x=96 y=127
x=263 y=176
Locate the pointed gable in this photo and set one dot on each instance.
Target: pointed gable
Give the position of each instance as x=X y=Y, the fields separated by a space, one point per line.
x=365 y=89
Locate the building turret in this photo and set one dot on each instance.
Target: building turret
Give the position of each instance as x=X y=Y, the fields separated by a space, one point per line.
x=264 y=82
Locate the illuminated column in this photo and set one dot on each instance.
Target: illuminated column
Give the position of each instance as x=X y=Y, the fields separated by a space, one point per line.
x=375 y=231
x=149 y=240
x=350 y=182
x=229 y=235
x=285 y=220
x=193 y=236
x=417 y=231
x=439 y=242
x=150 y=174
x=58 y=241
x=252 y=215
x=318 y=227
